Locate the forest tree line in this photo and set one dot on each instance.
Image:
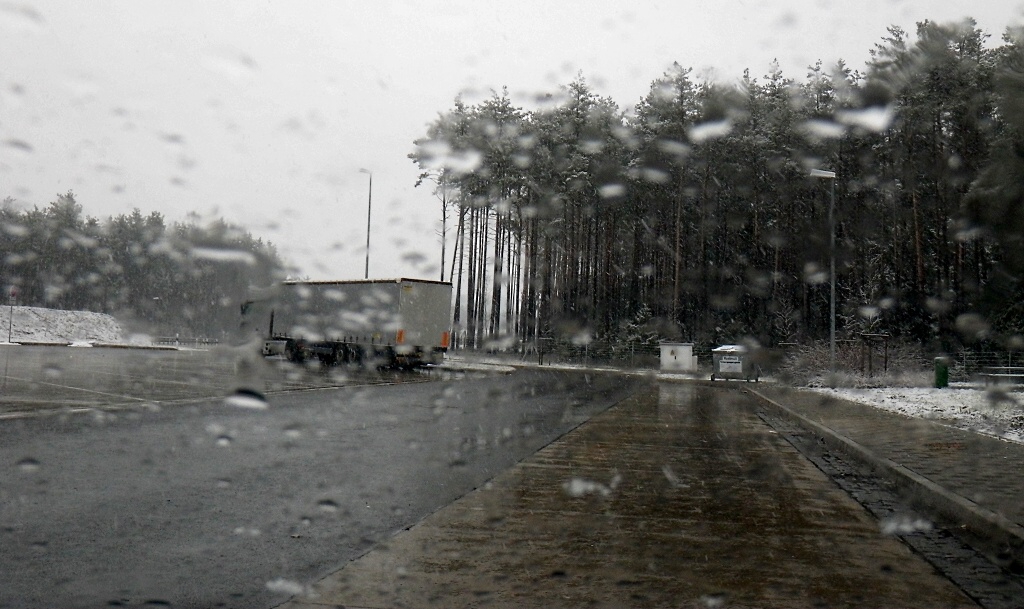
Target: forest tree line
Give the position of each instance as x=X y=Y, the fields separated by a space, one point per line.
x=695 y=217
x=183 y=278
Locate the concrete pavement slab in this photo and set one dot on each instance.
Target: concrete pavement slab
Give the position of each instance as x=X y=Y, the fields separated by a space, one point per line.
x=678 y=496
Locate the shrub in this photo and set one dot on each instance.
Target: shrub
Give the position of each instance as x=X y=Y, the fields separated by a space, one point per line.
x=808 y=366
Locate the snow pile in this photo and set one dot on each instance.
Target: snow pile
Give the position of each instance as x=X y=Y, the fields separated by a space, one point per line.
x=993 y=410
x=39 y=325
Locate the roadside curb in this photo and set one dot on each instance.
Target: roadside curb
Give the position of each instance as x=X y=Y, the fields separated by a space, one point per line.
x=996 y=534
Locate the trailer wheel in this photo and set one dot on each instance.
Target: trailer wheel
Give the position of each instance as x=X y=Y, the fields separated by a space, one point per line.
x=294 y=352
x=330 y=359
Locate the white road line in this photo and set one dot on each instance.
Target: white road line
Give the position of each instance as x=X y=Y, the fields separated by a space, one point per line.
x=82 y=389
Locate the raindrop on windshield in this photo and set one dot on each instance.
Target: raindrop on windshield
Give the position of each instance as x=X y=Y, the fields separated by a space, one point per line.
x=29 y=465
x=328 y=506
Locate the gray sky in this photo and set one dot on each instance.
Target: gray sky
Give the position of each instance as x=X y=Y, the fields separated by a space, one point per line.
x=264 y=112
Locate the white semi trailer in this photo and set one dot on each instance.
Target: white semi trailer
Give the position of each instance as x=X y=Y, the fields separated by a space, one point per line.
x=383 y=322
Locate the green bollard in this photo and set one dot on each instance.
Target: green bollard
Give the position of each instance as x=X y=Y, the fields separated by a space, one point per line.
x=941 y=372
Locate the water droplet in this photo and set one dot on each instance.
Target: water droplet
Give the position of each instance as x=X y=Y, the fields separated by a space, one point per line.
x=579 y=487
x=224 y=441
x=438 y=154
x=814 y=274
x=285 y=586
x=710 y=130
x=29 y=465
x=247 y=398
x=674 y=147
x=654 y=175
x=904 y=525
x=672 y=478
x=868 y=311
x=17 y=17
x=19 y=146
x=414 y=258
x=233 y=65
x=612 y=191
x=873 y=118
x=972 y=326
x=713 y=601
x=823 y=129
x=327 y=505
x=224 y=255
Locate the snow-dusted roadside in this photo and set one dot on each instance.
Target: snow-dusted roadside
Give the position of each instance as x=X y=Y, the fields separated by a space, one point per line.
x=995 y=411
x=39 y=325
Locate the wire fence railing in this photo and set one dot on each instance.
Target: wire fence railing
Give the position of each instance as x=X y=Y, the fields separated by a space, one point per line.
x=968 y=364
x=855 y=357
x=196 y=342
x=592 y=353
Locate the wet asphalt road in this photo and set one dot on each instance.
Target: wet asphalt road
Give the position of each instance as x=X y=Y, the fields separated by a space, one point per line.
x=208 y=505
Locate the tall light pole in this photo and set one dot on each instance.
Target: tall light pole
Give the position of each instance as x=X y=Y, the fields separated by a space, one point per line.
x=831 y=175
x=10 y=320
x=369 y=205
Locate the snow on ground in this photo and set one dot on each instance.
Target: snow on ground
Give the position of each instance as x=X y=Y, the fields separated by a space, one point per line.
x=994 y=410
x=39 y=325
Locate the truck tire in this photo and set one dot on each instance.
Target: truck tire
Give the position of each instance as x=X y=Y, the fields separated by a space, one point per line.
x=330 y=359
x=294 y=352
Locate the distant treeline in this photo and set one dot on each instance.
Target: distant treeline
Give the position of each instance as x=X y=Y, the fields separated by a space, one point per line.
x=696 y=216
x=182 y=279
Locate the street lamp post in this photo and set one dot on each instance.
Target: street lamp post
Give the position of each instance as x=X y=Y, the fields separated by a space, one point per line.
x=10 y=319
x=369 y=205
x=831 y=175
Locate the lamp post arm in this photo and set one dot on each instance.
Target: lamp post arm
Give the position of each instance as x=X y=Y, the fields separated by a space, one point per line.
x=369 y=206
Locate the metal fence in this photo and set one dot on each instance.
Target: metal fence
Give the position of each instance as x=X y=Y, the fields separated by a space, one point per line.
x=966 y=365
x=593 y=353
x=854 y=356
x=195 y=342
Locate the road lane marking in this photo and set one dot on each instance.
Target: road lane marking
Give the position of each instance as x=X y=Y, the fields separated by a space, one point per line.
x=82 y=389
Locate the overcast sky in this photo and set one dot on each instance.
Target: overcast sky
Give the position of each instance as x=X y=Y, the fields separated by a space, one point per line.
x=264 y=112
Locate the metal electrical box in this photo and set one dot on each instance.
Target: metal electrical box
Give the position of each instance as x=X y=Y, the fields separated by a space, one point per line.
x=732 y=362
x=678 y=357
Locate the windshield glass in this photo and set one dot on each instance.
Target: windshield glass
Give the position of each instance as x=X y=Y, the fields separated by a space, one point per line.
x=384 y=304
